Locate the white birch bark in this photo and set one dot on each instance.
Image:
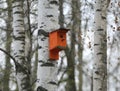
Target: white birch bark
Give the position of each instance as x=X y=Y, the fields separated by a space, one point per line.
x=22 y=74
x=47 y=22
x=100 y=56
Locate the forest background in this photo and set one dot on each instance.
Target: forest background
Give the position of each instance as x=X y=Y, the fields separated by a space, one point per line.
x=90 y=61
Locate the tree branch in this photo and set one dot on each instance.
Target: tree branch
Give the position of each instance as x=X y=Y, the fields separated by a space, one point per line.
x=8 y=55
x=16 y=63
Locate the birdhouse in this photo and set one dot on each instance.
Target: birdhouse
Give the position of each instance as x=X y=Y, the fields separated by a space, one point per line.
x=57 y=42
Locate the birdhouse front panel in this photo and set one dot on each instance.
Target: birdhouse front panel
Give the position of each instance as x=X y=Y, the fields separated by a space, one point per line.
x=62 y=39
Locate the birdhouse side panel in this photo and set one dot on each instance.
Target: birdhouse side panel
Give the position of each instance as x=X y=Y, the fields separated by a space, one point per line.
x=53 y=40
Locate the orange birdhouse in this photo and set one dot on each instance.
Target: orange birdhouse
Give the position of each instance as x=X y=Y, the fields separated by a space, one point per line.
x=57 y=42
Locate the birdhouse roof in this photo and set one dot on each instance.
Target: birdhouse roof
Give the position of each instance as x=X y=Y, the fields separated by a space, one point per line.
x=60 y=30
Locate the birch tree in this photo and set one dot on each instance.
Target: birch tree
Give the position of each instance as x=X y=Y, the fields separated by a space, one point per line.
x=100 y=46
x=47 y=22
x=22 y=72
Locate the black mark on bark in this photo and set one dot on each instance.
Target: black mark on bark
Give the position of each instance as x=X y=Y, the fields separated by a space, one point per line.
x=54 y=2
x=40 y=88
x=42 y=39
x=100 y=53
x=49 y=16
x=52 y=82
x=100 y=29
x=103 y=17
x=96 y=44
x=43 y=32
x=48 y=64
x=97 y=72
x=41 y=61
x=39 y=47
x=98 y=10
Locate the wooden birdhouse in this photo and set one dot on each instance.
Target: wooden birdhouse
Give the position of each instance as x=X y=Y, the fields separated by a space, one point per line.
x=57 y=42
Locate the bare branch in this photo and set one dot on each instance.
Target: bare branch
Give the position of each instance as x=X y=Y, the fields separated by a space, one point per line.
x=8 y=55
x=16 y=63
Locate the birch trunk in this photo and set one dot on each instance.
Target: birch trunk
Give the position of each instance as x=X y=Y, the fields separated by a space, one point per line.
x=100 y=46
x=22 y=73
x=47 y=22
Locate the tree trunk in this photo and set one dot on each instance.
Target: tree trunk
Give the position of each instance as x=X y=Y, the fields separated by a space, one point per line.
x=61 y=15
x=34 y=70
x=28 y=37
x=7 y=70
x=100 y=46
x=75 y=40
x=47 y=22
x=22 y=72
x=70 y=86
x=76 y=17
x=70 y=53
